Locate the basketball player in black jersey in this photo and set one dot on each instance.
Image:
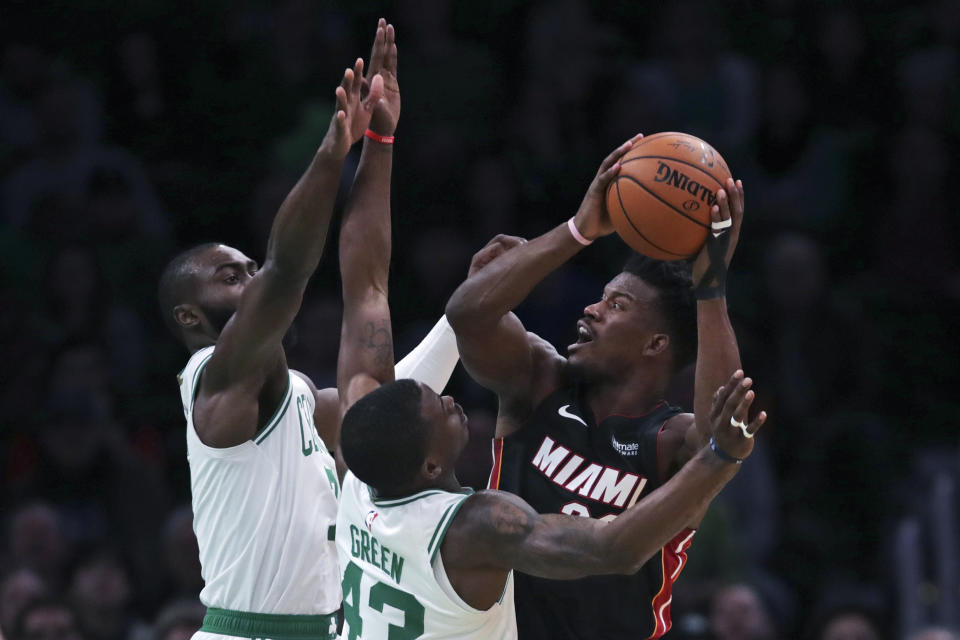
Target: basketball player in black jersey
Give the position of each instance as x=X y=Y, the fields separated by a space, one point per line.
x=590 y=434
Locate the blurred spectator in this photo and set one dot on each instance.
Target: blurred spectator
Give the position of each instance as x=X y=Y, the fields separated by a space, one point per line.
x=840 y=119
x=316 y=339
x=935 y=633
x=47 y=619
x=17 y=589
x=914 y=249
x=695 y=82
x=848 y=622
x=800 y=170
x=738 y=613
x=440 y=259
x=101 y=590
x=267 y=198
x=843 y=59
x=70 y=153
x=182 y=554
x=928 y=76
x=139 y=64
x=493 y=197
x=36 y=543
x=817 y=350
x=23 y=71
x=178 y=621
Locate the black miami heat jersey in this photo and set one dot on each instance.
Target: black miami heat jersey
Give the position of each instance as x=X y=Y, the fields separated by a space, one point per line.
x=562 y=461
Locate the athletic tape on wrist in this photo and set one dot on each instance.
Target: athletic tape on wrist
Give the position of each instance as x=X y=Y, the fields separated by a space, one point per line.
x=717 y=244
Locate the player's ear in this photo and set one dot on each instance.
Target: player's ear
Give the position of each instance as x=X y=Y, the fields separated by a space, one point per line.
x=186 y=316
x=431 y=469
x=657 y=344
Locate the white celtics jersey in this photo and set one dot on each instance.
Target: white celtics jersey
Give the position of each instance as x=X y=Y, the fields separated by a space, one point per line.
x=264 y=510
x=394 y=583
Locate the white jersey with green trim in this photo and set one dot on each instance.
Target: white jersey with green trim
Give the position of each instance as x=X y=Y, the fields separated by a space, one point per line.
x=394 y=583
x=264 y=510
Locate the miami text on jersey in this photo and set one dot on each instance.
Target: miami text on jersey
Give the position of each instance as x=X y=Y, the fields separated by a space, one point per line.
x=590 y=480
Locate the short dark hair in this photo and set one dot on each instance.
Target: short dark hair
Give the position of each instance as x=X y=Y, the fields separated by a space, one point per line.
x=383 y=437
x=673 y=282
x=175 y=280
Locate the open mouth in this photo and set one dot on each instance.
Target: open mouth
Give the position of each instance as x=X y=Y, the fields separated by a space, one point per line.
x=583 y=334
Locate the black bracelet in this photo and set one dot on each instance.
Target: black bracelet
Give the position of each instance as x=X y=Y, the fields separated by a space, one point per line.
x=723 y=455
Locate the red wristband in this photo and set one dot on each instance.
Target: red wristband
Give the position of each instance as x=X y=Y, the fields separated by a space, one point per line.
x=377 y=137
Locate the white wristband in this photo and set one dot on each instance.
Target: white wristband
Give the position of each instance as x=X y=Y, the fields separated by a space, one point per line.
x=576 y=233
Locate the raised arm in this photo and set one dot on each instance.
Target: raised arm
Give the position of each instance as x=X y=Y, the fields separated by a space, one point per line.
x=496 y=530
x=718 y=355
x=365 y=360
x=249 y=354
x=493 y=344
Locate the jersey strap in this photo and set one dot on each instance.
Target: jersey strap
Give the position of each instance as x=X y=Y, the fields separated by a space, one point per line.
x=497 y=450
x=272 y=626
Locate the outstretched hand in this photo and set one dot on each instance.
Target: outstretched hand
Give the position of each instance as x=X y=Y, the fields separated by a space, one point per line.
x=731 y=403
x=729 y=207
x=499 y=245
x=592 y=219
x=383 y=61
x=352 y=116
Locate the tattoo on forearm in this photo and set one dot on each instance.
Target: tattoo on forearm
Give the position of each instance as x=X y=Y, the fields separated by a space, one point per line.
x=378 y=337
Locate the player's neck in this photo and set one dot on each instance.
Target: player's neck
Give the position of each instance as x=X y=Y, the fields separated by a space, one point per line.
x=448 y=482
x=634 y=395
x=197 y=341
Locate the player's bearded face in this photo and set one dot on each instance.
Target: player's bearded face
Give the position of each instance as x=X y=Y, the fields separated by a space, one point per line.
x=218 y=315
x=613 y=330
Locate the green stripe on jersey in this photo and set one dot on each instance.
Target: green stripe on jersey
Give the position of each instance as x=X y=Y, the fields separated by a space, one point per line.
x=261 y=435
x=442 y=527
x=196 y=379
x=396 y=502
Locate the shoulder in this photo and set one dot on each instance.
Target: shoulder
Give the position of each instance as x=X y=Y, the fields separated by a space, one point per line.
x=306 y=380
x=548 y=373
x=489 y=515
x=673 y=443
x=546 y=358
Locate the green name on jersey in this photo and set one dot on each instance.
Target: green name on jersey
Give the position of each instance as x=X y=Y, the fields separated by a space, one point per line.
x=366 y=547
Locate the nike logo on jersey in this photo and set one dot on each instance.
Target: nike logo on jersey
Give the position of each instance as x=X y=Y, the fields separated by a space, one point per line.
x=566 y=414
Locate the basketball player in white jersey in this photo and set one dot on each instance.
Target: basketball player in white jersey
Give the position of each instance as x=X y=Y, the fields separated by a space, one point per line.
x=260 y=436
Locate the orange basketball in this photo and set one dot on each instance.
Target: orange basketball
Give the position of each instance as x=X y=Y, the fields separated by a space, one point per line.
x=660 y=201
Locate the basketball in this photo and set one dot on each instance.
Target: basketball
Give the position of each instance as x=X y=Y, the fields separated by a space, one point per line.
x=660 y=201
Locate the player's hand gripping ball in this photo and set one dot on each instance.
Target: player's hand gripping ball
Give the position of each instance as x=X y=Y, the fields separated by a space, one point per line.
x=660 y=201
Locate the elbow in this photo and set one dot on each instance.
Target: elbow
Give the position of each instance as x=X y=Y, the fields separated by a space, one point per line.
x=634 y=564
x=285 y=271
x=628 y=561
x=458 y=310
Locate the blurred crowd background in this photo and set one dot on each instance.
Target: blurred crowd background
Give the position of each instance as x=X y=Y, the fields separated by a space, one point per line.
x=129 y=130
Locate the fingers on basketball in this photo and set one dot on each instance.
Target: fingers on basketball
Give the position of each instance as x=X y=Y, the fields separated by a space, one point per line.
x=662 y=201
